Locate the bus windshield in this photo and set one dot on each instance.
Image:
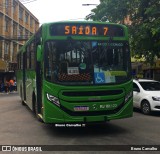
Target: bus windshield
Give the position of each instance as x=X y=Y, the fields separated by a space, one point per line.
x=75 y=62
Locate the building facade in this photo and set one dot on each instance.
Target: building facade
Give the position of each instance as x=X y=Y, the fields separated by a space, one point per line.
x=142 y=69
x=17 y=24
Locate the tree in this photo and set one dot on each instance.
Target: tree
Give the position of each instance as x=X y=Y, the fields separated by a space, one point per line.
x=145 y=28
x=114 y=11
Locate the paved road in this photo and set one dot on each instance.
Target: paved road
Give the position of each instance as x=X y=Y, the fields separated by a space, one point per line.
x=18 y=126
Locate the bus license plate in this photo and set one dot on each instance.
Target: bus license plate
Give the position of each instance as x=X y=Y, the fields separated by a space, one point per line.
x=81 y=108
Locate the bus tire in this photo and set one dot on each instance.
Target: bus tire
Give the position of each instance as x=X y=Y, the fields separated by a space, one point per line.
x=22 y=101
x=35 y=108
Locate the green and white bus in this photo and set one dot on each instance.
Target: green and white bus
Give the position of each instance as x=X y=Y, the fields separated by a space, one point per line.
x=76 y=72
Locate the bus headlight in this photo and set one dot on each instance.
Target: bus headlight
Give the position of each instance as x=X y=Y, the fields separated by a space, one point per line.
x=53 y=99
x=128 y=96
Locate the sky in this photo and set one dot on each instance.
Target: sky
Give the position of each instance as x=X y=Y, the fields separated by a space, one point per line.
x=60 y=10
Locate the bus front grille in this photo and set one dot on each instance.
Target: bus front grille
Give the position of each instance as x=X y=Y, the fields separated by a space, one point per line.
x=92 y=93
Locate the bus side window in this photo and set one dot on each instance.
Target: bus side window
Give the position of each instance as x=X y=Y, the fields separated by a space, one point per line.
x=32 y=59
x=50 y=61
x=48 y=67
x=28 y=57
x=22 y=61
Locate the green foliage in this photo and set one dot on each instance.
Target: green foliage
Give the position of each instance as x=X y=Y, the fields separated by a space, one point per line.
x=145 y=28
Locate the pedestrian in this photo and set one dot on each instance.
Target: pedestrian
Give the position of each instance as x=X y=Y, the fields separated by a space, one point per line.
x=6 y=86
x=11 y=83
x=15 y=85
x=2 y=87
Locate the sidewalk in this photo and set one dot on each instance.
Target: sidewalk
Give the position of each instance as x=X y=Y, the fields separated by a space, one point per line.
x=13 y=92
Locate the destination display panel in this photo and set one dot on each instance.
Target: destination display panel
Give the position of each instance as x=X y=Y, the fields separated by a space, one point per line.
x=82 y=29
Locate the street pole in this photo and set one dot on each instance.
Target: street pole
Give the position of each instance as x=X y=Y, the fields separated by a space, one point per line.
x=89 y=4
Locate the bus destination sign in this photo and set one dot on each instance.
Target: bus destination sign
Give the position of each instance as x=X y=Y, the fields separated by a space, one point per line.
x=86 y=30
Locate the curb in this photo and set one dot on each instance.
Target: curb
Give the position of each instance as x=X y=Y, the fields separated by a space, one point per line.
x=4 y=93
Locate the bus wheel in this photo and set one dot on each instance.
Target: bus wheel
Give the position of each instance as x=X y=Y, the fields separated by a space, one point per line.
x=35 y=110
x=22 y=101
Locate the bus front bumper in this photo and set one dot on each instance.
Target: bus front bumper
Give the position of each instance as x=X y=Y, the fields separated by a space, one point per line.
x=53 y=114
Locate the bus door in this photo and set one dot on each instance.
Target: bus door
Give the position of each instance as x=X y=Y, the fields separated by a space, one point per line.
x=24 y=76
x=39 y=85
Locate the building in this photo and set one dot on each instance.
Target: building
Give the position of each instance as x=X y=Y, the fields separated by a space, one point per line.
x=152 y=72
x=142 y=69
x=137 y=65
x=17 y=24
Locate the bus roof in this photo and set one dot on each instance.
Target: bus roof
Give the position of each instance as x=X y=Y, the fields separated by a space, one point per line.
x=83 y=22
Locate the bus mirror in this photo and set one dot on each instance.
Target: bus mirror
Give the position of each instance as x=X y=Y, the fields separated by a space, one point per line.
x=39 y=53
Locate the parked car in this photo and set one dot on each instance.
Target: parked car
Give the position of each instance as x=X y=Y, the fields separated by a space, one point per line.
x=146 y=95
